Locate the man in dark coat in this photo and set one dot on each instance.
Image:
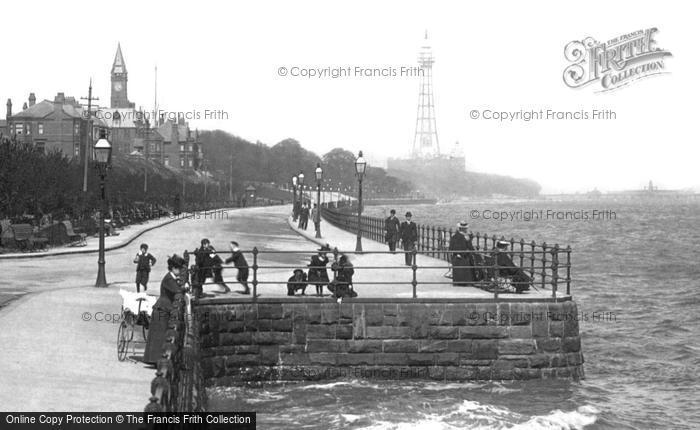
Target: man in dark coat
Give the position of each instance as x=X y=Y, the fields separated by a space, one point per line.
x=143 y=260
x=304 y=217
x=170 y=288
x=318 y=275
x=203 y=260
x=462 y=276
x=506 y=268
x=296 y=210
x=391 y=227
x=209 y=265
x=298 y=281
x=241 y=264
x=408 y=232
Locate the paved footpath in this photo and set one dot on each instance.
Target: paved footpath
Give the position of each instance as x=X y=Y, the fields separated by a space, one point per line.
x=52 y=359
x=126 y=235
x=58 y=344
x=373 y=267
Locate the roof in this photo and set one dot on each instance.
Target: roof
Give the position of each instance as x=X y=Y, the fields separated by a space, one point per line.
x=45 y=109
x=119 y=65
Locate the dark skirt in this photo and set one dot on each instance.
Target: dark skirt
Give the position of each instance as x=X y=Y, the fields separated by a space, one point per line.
x=318 y=277
x=462 y=276
x=156 y=335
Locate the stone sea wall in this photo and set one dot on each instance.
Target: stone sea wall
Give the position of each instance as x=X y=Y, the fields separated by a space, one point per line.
x=291 y=340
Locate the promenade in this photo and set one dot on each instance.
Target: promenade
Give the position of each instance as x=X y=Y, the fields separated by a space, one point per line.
x=60 y=345
x=126 y=235
x=373 y=268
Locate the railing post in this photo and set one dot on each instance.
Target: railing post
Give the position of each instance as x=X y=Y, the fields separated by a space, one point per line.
x=568 y=270
x=544 y=264
x=522 y=251
x=414 y=267
x=555 y=269
x=255 y=273
x=335 y=260
x=495 y=276
x=533 y=245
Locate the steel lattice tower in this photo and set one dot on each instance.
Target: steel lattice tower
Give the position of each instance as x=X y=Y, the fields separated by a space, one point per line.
x=425 y=141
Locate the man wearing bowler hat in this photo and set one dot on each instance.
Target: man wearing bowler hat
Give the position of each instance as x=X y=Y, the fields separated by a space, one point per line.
x=408 y=232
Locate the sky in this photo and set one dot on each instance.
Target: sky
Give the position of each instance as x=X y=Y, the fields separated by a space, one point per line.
x=502 y=56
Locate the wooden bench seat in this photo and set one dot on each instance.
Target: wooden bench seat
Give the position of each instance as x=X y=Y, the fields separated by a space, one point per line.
x=25 y=238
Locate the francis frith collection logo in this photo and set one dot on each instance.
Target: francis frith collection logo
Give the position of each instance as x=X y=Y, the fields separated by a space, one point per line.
x=615 y=63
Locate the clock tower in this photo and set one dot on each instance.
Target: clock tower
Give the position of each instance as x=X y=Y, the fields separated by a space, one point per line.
x=119 y=82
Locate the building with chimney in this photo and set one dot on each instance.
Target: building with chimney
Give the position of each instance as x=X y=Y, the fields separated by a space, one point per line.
x=60 y=125
x=181 y=148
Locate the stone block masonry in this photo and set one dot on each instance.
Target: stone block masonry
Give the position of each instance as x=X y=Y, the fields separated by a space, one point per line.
x=287 y=340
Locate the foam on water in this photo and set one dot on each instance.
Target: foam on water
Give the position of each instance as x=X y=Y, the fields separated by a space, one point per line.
x=578 y=419
x=474 y=415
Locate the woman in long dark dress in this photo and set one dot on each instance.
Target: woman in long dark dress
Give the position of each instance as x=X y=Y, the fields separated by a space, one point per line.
x=318 y=275
x=462 y=274
x=170 y=286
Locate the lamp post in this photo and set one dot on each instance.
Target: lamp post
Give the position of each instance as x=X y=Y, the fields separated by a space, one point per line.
x=360 y=165
x=319 y=179
x=300 y=180
x=102 y=154
x=294 y=198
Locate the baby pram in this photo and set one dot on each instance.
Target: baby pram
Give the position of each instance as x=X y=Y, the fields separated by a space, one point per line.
x=136 y=311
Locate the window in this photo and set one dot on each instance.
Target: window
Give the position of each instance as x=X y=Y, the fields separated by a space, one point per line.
x=189 y=147
x=28 y=127
x=182 y=162
x=76 y=128
x=189 y=163
x=40 y=128
x=182 y=148
x=19 y=129
x=76 y=150
x=40 y=147
x=166 y=161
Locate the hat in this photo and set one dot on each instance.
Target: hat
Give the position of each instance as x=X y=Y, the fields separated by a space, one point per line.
x=298 y=270
x=325 y=247
x=463 y=225
x=234 y=243
x=502 y=244
x=205 y=241
x=408 y=214
x=176 y=262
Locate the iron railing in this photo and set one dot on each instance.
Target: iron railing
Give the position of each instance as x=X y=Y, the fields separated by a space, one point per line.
x=179 y=383
x=542 y=262
x=547 y=278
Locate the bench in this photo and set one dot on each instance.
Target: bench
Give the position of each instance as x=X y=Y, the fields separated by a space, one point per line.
x=25 y=239
x=77 y=239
